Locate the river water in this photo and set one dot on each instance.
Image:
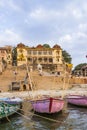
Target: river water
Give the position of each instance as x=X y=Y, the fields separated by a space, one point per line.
x=73 y=118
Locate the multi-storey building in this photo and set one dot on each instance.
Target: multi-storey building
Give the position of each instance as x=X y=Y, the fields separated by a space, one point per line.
x=5 y=57
x=81 y=72
x=21 y=54
x=9 y=54
x=49 y=58
x=5 y=54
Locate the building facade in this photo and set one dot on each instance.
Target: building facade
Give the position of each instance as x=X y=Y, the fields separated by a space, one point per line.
x=6 y=54
x=5 y=57
x=9 y=54
x=21 y=54
x=3 y=53
x=81 y=72
x=44 y=56
x=49 y=58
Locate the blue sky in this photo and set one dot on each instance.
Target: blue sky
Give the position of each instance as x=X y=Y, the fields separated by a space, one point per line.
x=33 y=22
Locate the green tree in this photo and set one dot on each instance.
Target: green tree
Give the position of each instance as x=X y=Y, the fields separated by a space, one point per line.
x=46 y=45
x=79 y=66
x=4 y=62
x=14 y=56
x=66 y=56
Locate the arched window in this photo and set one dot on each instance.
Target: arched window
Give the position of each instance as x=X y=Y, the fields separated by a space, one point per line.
x=40 y=59
x=30 y=59
x=45 y=59
x=50 y=60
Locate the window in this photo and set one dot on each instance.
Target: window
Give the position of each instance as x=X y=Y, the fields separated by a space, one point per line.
x=50 y=52
x=29 y=52
x=50 y=60
x=58 y=52
x=30 y=59
x=39 y=52
x=58 y=60
x=21 y=50
x=45 y=59
x=8 y=56
x=34 y=52
x=45 y=52
x=2 y=51
x=40 y=59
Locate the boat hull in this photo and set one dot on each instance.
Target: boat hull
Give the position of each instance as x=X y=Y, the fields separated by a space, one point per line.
x=49 y=105
x=9 y=106
x=77 y=100
x=7 y=109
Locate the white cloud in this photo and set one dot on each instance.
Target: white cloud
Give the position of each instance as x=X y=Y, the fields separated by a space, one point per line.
x=1 y=3
x=77 y=10
x=10 y=4
x=82 y=26
x=13 y=5
x=81 y=35
x=65 y=38
x=48 y=22
x=77 y=13
x=41 y=13
x=9 y=37
x=84 y=6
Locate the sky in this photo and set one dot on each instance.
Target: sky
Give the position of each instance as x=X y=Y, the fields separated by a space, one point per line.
x=33 y=22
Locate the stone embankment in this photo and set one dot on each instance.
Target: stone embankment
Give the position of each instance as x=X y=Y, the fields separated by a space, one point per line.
x=47 y=84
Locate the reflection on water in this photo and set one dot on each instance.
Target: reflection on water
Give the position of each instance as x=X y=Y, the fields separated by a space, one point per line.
x=73 y=119
x=48 y=124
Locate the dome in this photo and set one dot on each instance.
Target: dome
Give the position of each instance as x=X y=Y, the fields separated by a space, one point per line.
x=39 y=46
x=56 y=46
x=21 y=45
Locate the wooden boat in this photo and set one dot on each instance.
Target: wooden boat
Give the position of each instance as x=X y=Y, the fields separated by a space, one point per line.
x=77 y=100
x=9 y=106
x=48 y=105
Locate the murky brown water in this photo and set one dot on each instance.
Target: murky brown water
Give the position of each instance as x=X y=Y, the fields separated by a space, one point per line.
x=73 y=118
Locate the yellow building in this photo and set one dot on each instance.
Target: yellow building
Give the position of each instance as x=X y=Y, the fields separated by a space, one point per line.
x=44 y=56
x=48 y=57
x=21 y=54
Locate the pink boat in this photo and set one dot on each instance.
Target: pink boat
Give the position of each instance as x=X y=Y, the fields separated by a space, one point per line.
x=77 y=100
x=49 y=105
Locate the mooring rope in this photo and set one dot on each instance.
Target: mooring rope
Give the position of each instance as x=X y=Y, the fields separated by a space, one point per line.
x=46 y=118
x=26 y=117
x=15 y=110
x=6 y=115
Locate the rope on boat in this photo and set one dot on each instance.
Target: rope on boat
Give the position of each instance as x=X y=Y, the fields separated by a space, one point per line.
x=43 y=117
x=16 y=111
x=7 y=116
x=46 y=118
x=26 y=117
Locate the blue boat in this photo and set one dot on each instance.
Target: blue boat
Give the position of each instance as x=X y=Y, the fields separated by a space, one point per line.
x=9 y=106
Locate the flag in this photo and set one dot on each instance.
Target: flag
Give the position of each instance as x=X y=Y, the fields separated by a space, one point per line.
x=70 y=65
